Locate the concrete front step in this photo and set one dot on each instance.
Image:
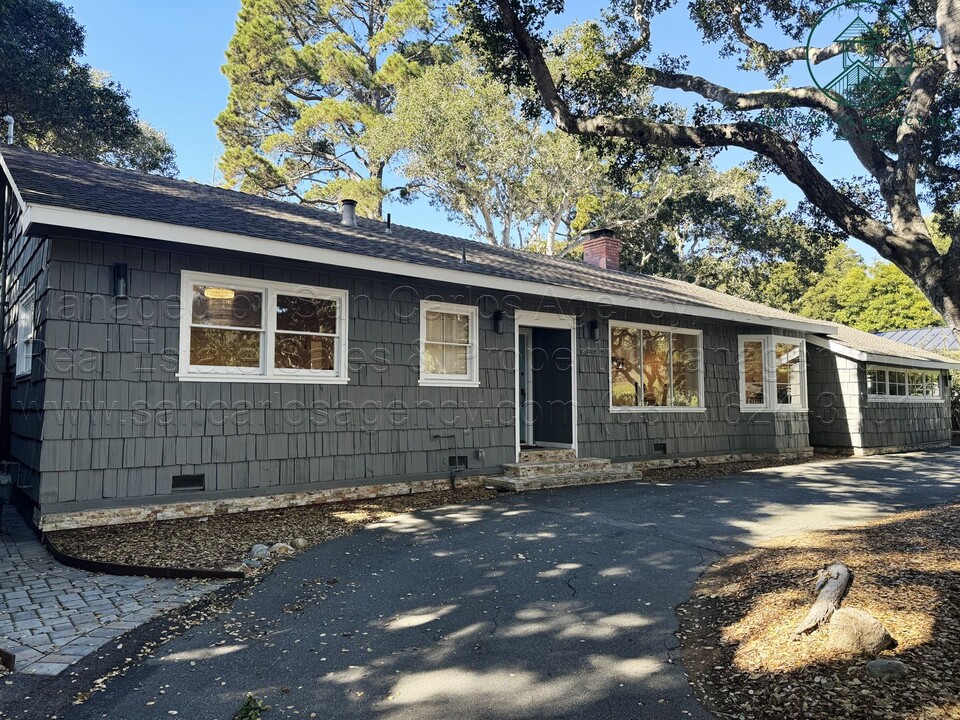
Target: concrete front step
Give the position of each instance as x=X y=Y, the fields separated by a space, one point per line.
x=520 y=484
x=561 y=467
x=547 y=455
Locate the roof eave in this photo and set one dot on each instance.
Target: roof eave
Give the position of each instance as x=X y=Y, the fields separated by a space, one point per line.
x=66 y=218
x=12 y=183
x=844 y=350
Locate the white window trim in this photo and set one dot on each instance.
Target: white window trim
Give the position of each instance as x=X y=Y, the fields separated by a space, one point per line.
x=266 y=372
x=472 y=378
x=654 y=408
x=24 y=356
x=910 y=399
x=770 y=374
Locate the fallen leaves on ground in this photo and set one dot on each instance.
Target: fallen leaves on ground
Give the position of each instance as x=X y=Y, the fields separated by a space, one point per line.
x=219 y=540
x=736 y=629
x=224 y=539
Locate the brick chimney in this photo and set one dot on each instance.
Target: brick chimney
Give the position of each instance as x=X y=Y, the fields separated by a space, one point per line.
x=601 y=248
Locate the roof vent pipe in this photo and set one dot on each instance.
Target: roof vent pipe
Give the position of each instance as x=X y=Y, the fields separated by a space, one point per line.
x=349 y=210
x=8 y=119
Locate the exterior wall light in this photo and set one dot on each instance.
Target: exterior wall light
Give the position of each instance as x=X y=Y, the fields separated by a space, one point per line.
x=120 y=280
x=594 y=327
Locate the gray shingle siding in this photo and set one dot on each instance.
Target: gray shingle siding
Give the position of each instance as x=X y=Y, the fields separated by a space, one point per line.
x=841 y=415
x=119 y=425
x=27 y=265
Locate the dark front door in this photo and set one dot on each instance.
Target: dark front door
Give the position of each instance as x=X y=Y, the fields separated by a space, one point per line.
x=551 y=369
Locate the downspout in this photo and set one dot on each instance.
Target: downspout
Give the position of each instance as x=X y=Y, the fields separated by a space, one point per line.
x=3 y=264
x=5 y=393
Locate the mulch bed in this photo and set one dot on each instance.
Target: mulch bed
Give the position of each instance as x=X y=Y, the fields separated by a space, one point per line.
x=223 y=540
x=220 y=540
x=736 y=628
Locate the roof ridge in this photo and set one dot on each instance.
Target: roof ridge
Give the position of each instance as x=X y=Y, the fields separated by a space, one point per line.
x=63 y=181
x=364 y=223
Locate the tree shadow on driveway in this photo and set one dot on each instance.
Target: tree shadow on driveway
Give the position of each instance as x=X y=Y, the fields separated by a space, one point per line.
x=555 y=604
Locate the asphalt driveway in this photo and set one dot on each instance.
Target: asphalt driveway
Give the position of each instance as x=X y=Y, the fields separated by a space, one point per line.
x=555 y=604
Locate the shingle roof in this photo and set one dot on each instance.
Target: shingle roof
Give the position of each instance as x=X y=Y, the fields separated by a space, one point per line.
x=935 y=339
x=876 y=345
x=57 y=181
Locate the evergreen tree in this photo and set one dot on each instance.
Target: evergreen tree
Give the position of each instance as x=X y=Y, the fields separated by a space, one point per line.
x=307 y=80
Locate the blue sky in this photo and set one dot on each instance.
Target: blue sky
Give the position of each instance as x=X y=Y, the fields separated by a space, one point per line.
x=168 y=56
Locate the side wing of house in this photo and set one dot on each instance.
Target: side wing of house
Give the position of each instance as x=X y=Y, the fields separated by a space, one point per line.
x=865 y=399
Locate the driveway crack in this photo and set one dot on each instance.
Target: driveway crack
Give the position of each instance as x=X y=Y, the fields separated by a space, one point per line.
x=570 y=584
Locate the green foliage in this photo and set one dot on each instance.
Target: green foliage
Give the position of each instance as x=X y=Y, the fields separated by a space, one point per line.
x=601 y=81
x=308 y=78
x=61 y=105
x=954 y=390
x=718 y=229
x=460 y=140
x=252 y=707
x=872 y=298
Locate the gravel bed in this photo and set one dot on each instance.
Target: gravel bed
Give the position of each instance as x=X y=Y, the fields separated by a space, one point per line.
x=736 y=628
x=700 y=472
x=222 y=540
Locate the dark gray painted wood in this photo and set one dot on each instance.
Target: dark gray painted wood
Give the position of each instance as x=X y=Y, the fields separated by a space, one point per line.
x=842 y=415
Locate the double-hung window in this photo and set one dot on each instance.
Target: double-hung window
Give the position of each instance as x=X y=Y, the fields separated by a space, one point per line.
x=655 y=368
x=25 y=330
x=892 y=384
x=448 y=344
x=243 y=329
x=773 y=373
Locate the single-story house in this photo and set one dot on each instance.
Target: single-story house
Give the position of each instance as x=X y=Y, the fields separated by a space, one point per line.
x=176 y=349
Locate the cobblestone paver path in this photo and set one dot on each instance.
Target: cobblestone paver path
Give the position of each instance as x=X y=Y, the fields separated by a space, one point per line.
x=51 y=615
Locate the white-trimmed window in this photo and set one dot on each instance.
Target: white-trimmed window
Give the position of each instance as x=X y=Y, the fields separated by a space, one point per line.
x=254 y=330
x=773 y=373
x=448 y=344
x=655 y=368
x=897 y=384
x=26 y=329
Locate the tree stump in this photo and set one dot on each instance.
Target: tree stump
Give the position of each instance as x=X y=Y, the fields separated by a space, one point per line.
x=831 y=586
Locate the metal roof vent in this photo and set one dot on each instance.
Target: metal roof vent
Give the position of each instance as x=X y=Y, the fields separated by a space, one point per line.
x=349 y=210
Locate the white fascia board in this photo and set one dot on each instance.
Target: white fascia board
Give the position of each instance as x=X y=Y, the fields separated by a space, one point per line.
x=169 y=232
x=12 y=182
x=838 y=348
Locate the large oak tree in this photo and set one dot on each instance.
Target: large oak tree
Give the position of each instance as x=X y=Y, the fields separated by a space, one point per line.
x=61 y=104
x=907 y=147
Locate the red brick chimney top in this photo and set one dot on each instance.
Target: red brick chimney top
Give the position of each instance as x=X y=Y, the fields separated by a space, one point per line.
x=601 y=248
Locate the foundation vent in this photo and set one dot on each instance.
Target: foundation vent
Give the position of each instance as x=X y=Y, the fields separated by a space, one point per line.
x=457 y=462
x=660 y=448
x=188 y=483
